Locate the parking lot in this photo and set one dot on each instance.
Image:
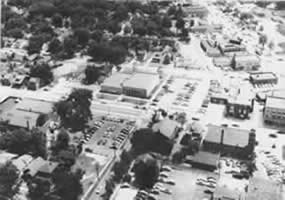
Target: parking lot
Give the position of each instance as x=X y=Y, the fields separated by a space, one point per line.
x=105 y=135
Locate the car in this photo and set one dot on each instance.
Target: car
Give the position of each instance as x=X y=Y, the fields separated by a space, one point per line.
x=272 y=135
x=200 y=183
x=238 y=176
x=154 y=191
x=281 y=132
x=207 y=191
x=235 y=125
x=169 y=181
x=211 y=178
x=125 y=185
x=163 y=174
x=166 y=168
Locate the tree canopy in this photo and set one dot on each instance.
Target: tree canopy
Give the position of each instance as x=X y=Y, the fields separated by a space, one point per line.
x=42 y=71
x=8 y=177
x=22 y=142
x=146 y=169
x=75 y=112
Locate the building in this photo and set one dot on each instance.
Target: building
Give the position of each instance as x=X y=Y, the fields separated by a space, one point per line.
x=274 y=110
x=22 y=162
x=196 y=11
x=222 y=62
x=140 y=85
x=166 y=127
x=41 y=169
x=19 y=81
x=20 y=119
x=245 y=62
x=225 y=193
x=229 y=141
x=200 y=29
x=263 y=78
x=33 y=83
x=114 y=83
x=239 y=107
x=204 y=160
x=262 y=189
x=230 y=47
x=35 y=106
x=210 y=48
x=219 y=98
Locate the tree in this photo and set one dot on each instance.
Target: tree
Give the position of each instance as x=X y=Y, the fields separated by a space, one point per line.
x=121 y=12
x=82 y=35
x=38 y=143
x=75 y=112
x=8 y=178
x=15 y=33
x=64 y=181
x=184 y=33
x=127 y=29
x=45 y=8
x=126 y=157
x=182 y=118
x=97 y=35
x=39 y=190
x=146 y=171
x=180 y=23
x=92 y=73
x=16 y=22
x=42 y=71
x=178 y=157
x=166 y=60
x=166 y=22
x=271 y=45
x=57 y=20
x=114 y=26
x=54 y=46
x=69 y=47
x=171 y=10
x=35 y=44
x=263 y=39
x=19 y=3
x=120 y=168
x=62 y=142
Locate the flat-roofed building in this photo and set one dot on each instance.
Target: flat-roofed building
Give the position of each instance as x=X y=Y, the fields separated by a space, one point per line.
x=210 y=48
x=245 y=62
x=20 y=119
x=140 y=85
x=274 y=110
x=196 y=11
x=114 y=83
x=229 y=141
x=263 y=78
x=240 y=107
x=204 y=160
x=35 y=106
x=222 y=62
x=230 y=47
x=262 y=189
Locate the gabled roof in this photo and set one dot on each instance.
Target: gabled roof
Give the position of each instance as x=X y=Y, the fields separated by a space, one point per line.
x=165 y=127
x=48 y=167
x=22 y=162
x=232 y=136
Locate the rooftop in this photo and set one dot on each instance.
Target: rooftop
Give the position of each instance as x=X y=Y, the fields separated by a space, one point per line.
x=262 y=189
x=22 y=162
x=225 y=193
x=263 y=75
x=144 y=81
x=35 y=165
x=5 y=156
x=35 y=106
x=275 y=102
x=20 y=118
x=166 y=127
x=247 y=58
x=48 y=167
x=232 y=136
x=203 y=157
x=116 y=80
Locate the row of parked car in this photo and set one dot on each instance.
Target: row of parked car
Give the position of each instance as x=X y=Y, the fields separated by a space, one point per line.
x=209 y=182
x=121 y=137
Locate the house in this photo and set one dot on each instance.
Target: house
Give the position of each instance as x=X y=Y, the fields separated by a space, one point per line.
x=166 y=127
x=226 y=47
x=165 y=131
x=33 y=83
x=210 y=48
x=274 y=110
x=5 y=157
x=19 y=81
x=231 y=141
x=222 y=62
x=196 y=11
x=240 y=105
x=22 y=162
x=41 y=169
x=261 y=189
x=263 y=78
x=204 y=160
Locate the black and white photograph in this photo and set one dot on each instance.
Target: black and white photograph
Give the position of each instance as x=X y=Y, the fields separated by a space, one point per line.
x=142 y=100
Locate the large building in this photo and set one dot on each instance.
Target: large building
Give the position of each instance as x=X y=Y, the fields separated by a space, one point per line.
x=114 y=83
x=229 y=141
x=263 y=78
x=240 y=107
x=274 y=110
x=204 y=160
x=245 y=62
x=210 y=48
x=140 y=85
x=196 y=11
x=230 y=47
x=131 y=84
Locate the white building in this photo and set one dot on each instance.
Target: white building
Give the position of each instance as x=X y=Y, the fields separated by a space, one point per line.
x=274 y=110
x=140 y=85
